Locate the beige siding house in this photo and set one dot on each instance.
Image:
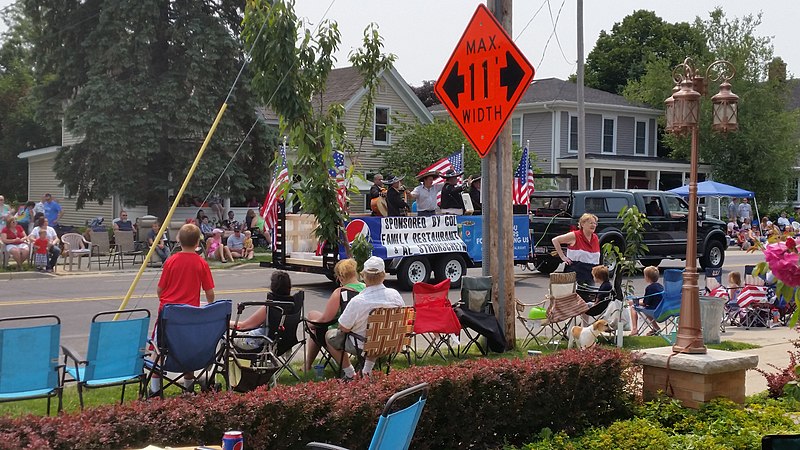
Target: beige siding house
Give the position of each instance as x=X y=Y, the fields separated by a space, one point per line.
x=42 y=180
x=394 y=102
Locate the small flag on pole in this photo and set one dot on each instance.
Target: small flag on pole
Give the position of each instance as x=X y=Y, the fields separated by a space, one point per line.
x=337 y=172
x=523 y=181
x=277 y=189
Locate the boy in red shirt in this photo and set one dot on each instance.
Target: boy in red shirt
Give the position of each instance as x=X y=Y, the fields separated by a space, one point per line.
x=183 y=276
x=42 y=245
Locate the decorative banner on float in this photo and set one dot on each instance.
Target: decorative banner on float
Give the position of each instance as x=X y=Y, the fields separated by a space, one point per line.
x=394 y=237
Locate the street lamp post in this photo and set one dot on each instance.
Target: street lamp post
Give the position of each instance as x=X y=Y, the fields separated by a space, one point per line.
x=682 y=111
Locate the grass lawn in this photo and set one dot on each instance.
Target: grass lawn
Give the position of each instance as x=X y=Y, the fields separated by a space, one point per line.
x=105 y=396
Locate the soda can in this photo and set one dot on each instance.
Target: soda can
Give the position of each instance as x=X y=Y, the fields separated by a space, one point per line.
x=232 y=440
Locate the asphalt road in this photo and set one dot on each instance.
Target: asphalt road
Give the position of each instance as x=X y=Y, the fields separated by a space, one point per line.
x=76 y=297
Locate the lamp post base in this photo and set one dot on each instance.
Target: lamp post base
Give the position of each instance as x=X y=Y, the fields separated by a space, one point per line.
x=690 y=334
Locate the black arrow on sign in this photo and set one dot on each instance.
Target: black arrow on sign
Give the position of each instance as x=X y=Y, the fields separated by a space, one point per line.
x=511 y=75
x=454 y=84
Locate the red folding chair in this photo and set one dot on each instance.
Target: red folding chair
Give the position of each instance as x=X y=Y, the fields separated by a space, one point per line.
x=436 y=320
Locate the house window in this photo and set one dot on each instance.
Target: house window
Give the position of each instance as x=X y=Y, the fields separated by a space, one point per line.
x=516 y=130
x=608 y=135
x=640 y=146
x=573 y=133
x=381 y=134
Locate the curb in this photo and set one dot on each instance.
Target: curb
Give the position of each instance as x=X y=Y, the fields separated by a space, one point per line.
x=26 y=275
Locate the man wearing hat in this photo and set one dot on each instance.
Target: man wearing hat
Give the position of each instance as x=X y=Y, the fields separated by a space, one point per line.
x=452 y=203
x=376 y=191
x=354 y=318
x=426 y=193
x=395 y=203
x=475 y=195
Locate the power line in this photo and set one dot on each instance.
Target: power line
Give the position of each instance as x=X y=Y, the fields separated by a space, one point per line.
x=531 y=19
x=552 y=33
x=558 y=41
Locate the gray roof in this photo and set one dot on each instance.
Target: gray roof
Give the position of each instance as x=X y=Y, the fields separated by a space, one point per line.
x=341 y=86
x=553 y=89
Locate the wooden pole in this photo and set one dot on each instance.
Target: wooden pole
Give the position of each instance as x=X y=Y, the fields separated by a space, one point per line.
x=502 y=245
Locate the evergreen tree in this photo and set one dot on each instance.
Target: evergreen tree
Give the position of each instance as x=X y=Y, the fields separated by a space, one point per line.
x=142 y=81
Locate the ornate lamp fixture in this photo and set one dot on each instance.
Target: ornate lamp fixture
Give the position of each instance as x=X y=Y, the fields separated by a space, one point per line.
x=682 y=112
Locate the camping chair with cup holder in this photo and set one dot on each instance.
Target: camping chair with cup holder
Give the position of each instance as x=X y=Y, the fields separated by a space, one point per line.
x=436 y=321
x=115 y=354
x=476 y=314
x=191 y=339
x=533 y=321
x=260 y=358
x=666 y=313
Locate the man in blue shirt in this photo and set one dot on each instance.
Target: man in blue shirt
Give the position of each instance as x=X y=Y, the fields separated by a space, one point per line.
x=52 y=210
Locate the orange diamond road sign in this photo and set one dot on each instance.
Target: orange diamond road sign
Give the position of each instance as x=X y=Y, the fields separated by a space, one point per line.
x=484 y=80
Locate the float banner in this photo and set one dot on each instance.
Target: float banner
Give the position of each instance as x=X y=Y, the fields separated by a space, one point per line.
x=472 y=235
x=394 y=237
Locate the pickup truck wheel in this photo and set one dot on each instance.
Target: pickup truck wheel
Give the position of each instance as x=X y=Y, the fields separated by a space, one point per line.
x=713 y=257
x=413 y=270
x=452 y=267
x=651 y=262
x=547 y=265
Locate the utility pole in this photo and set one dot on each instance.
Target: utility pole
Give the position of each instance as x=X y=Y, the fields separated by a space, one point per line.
x=499 y=226
x=581 y=106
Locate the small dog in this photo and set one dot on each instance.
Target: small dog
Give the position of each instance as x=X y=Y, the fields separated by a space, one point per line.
x=584 y=338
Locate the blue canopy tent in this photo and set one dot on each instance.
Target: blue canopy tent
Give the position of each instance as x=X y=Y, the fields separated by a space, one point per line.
x=715 y=189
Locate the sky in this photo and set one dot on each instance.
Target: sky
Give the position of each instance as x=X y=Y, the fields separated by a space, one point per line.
x=423 y=33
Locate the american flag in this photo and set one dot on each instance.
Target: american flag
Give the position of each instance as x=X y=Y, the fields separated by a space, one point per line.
x=276 y=190
x=337 y=172
x=523 y=180
x=454 y=161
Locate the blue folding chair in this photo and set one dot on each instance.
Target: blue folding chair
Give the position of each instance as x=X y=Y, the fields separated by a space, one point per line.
x=191 y=339
x=667 y=312
x=115 y=355
x=29 y=362
x=395 y=429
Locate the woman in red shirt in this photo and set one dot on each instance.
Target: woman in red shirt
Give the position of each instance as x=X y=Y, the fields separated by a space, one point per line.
x=14 y=238
x=583 y=249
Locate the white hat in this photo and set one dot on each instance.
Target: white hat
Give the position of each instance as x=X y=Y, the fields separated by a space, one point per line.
x=374 y=265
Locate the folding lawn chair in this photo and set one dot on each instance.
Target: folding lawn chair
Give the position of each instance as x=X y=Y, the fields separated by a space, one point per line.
x=191 y=339
x=29 y=362
x=389 y=333
x=476 y=314
x=115 y=355
x=395 y=428
x=667 y=311
x=564 y=306
x=271 y=353
x=436 y=320
x=533 y=322
x=755 y=300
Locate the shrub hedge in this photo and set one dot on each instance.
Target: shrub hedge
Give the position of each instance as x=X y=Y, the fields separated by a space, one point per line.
x=484 y=403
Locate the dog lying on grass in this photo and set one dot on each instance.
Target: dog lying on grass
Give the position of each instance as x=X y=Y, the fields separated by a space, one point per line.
x=584 y=338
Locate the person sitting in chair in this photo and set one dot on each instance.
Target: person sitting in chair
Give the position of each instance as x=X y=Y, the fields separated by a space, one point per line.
x=355 y=316
x=280 y=290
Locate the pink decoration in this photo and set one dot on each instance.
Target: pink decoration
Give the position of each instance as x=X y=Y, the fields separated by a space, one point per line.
x=783 y=263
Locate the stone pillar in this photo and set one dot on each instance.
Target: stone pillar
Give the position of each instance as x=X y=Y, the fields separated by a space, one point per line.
x=695 y=379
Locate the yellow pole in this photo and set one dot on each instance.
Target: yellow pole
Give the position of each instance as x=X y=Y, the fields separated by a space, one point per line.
x=178 y=197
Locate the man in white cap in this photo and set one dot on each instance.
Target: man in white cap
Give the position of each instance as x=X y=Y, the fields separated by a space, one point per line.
x=354 y=318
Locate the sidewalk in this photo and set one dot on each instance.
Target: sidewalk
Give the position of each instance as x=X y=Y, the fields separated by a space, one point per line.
x=775 y=343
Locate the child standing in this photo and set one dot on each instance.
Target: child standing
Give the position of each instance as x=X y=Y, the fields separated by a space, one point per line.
x=183 y=276
x=248 y=245
x=41 y=246
x=650 y=300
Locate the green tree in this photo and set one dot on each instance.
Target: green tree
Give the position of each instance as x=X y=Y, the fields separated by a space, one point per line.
x=142 y=81
x=416 y=146
x=19 y=129
x=425 y=93
x=621 y=56
x=291 y=65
